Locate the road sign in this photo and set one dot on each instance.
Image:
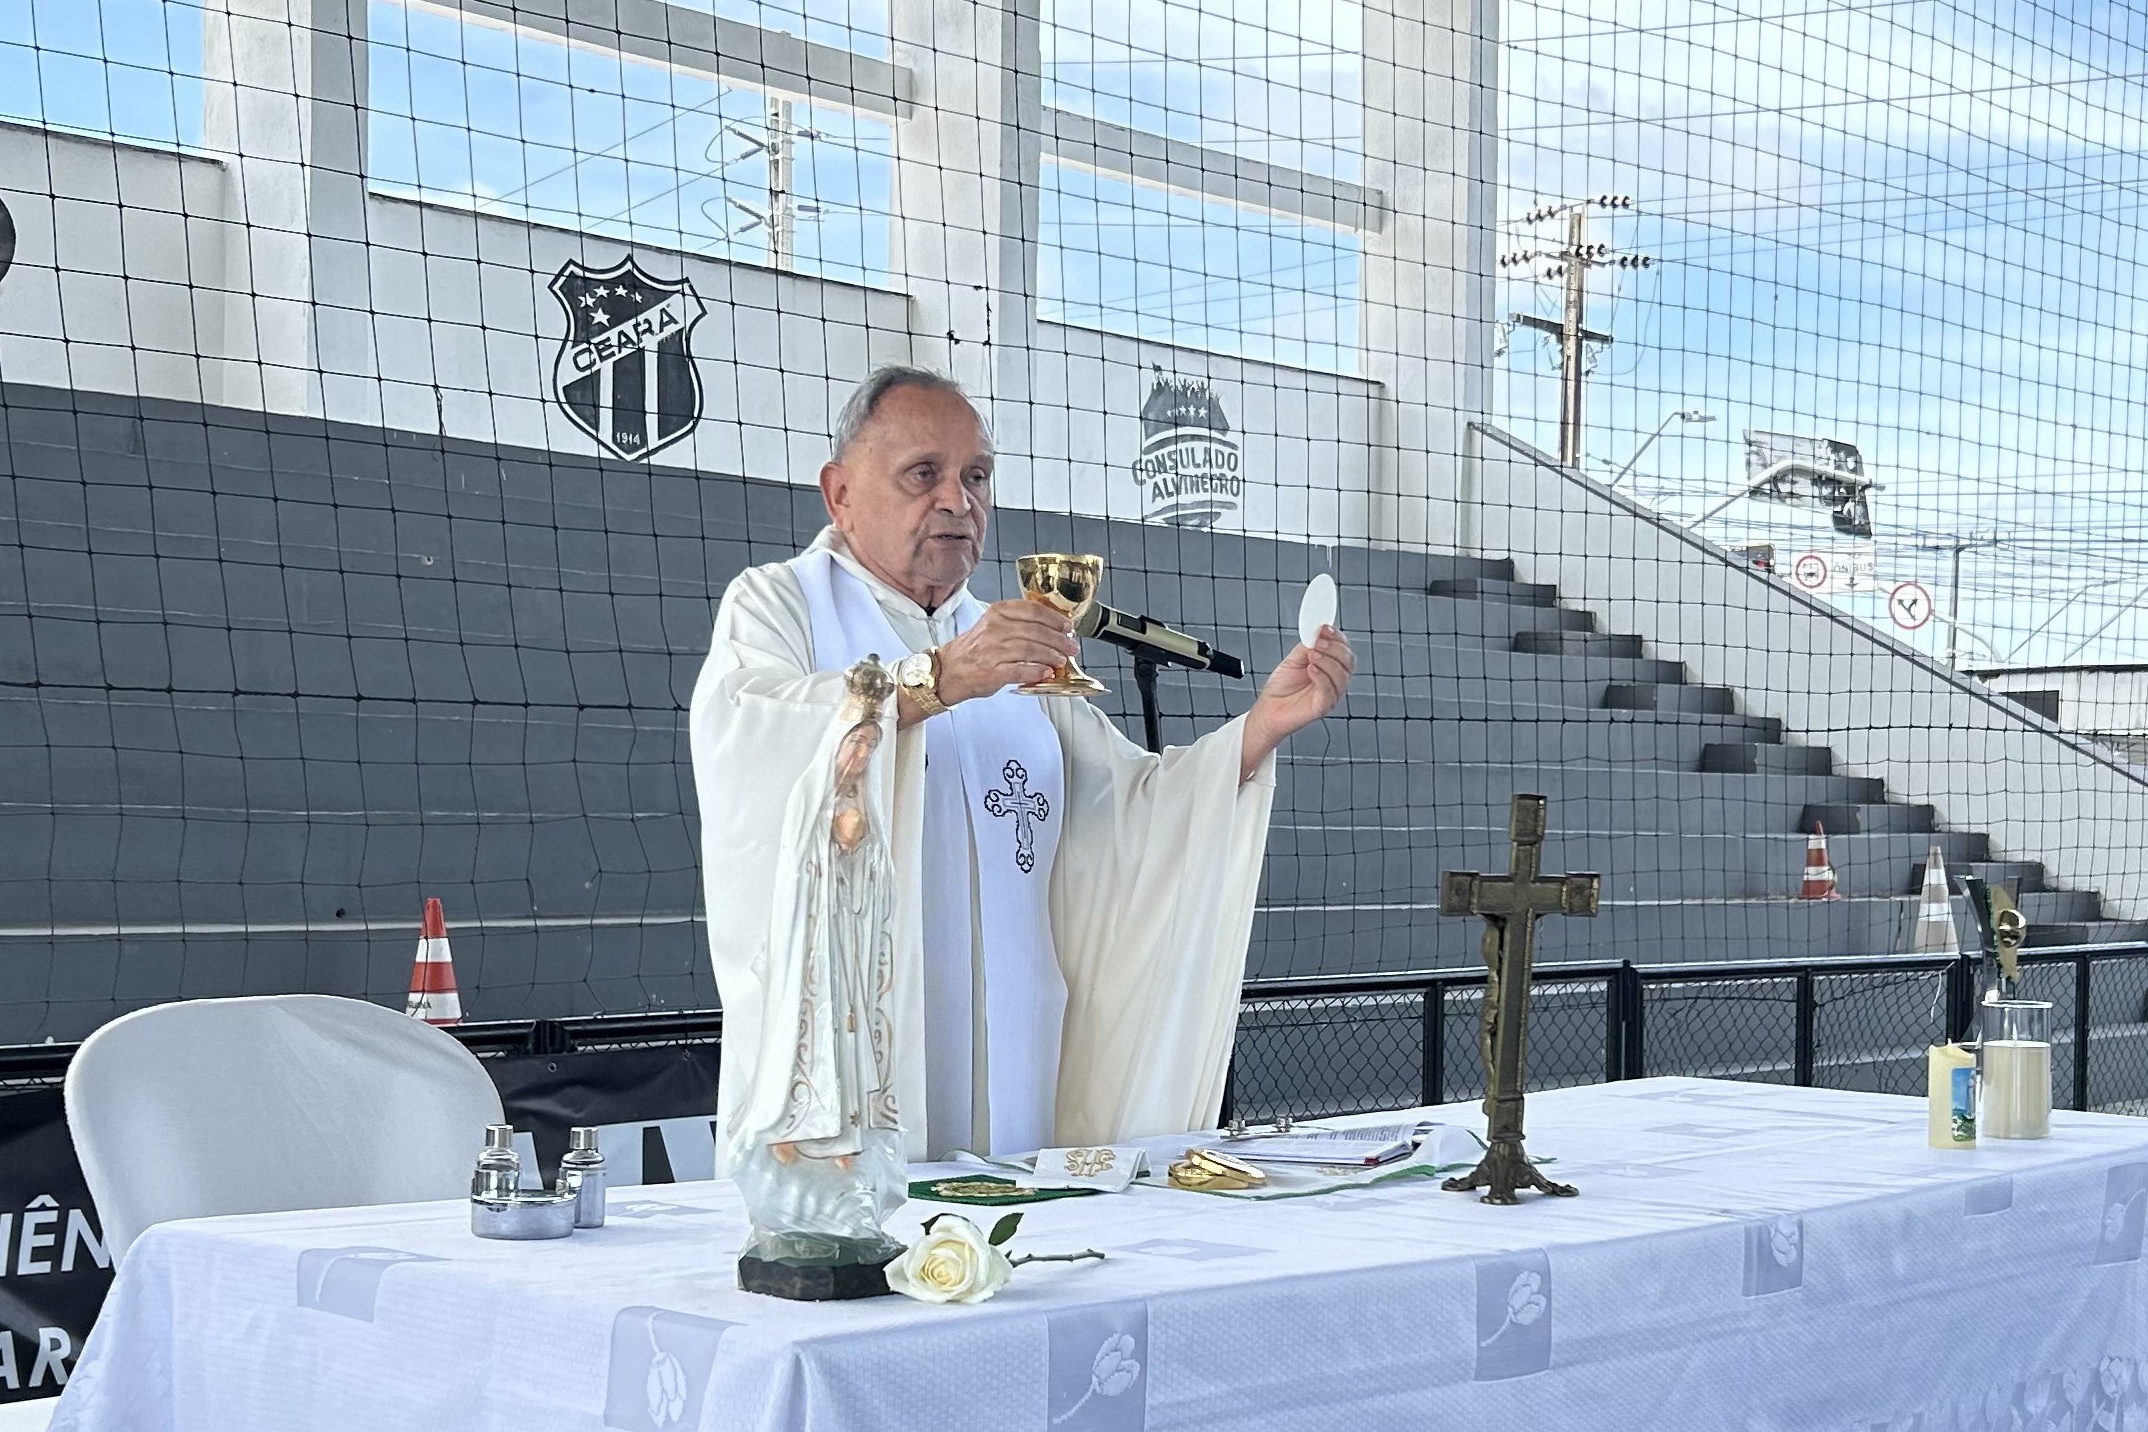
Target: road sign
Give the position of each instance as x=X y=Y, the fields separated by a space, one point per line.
x=1816 y=457
x=1828 y=570
x=1812 y=472
x=1910 y=605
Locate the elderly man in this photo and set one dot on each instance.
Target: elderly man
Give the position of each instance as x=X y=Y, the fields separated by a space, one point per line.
x=1071 y=912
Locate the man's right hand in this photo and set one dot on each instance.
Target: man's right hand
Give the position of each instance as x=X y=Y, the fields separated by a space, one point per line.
x=1012 y=644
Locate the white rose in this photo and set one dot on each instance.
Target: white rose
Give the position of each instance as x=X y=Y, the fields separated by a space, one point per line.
x=952 y=1263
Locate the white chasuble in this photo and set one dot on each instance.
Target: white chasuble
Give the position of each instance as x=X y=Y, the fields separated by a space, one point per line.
x=1149 y=867
x=994 y=803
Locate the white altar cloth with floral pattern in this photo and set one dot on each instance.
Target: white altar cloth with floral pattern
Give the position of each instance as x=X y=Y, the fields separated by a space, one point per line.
x=1741 y=1256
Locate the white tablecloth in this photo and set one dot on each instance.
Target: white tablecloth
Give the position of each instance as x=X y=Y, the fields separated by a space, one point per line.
x=1741 y=1256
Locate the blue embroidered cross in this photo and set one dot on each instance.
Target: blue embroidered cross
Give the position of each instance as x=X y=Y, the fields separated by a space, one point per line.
x=1025 y=805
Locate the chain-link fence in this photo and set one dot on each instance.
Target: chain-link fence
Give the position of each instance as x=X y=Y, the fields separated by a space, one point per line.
x=1340 y=1046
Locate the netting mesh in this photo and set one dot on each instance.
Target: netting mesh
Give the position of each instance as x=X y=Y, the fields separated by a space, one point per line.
x=1312 y=1048
x=1681 y=395
x=1742 y=1030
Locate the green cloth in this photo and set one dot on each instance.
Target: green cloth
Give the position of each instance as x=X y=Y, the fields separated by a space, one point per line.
x=972 y=1191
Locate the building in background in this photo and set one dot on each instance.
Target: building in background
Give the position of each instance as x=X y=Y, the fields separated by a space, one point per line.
x=2108 y=703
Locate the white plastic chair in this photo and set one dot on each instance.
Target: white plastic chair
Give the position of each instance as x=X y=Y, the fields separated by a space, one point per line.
x=263 y=1104
x=32 y=1416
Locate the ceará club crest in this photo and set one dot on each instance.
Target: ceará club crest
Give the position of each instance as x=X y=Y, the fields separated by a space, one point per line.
x=625 y=371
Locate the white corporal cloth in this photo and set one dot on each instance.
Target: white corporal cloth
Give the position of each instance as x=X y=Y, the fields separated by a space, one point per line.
x=1741 y=1256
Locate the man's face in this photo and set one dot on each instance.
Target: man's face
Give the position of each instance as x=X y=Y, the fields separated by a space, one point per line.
x=913 y=493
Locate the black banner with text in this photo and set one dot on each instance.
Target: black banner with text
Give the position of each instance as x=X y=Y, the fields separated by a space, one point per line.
x=53 y=1266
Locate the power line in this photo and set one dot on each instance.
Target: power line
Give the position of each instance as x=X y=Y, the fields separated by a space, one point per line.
x=1572 y=264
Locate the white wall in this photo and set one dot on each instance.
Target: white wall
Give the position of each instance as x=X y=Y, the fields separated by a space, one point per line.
x=1307 y=438
x=1886 y=710
x=119 y=282
x=461 y=329
x=446 y=323
x=458 y=330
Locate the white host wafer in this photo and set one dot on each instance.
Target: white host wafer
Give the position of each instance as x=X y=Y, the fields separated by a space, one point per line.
x=1318 y=609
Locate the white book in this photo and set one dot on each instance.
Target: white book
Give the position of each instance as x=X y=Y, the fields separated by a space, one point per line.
x=1368 y=1146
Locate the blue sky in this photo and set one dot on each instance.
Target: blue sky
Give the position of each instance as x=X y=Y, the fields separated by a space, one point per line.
x=522 y=124
x=1910 y=225
x=128 y=67
x=1272 y=80
x=525 y=125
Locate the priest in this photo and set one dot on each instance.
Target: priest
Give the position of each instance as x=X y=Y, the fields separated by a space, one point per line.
x=1071 y=912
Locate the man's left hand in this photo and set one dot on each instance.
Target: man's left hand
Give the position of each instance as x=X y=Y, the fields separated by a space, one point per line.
x=1304 y=688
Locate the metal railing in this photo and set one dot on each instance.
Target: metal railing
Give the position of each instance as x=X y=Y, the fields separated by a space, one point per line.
x=1351 y=1044
x=1368 y=1042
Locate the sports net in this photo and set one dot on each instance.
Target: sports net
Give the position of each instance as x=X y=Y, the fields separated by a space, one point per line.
x=1688 y=398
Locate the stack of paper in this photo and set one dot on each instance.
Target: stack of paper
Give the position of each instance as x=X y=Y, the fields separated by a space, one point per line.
x=1365 y=1147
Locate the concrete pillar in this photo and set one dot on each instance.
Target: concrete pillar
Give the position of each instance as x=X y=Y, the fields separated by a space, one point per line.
x=1426 y=291
x=968 y=159
x=284 y=87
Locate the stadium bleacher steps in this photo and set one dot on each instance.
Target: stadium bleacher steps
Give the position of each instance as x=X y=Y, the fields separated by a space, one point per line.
x=1477 y=685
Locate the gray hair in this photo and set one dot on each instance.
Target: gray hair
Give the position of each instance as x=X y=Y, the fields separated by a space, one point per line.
x=858 y=409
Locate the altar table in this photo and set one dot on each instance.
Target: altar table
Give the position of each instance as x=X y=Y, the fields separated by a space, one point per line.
x=1741 y=1256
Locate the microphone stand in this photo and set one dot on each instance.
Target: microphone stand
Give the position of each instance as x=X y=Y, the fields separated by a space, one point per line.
x=1151 y=718
x=1151 y=644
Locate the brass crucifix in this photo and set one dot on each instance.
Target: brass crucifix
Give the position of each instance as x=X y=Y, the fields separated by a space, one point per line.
x=1509 y=905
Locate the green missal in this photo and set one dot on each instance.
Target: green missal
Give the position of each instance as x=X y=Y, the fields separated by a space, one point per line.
x=987 y=1191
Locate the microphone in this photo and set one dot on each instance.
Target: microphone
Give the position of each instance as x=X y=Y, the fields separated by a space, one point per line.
x=1150 y=638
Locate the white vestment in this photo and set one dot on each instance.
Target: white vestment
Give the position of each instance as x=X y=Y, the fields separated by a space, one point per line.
x=994 y=802
x=1149 y=866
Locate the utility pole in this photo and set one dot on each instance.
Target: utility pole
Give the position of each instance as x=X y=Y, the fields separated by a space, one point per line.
x=1577 y=293
x=1954 y=605
x=785 y=209
x=782 y=163
x=1958 y=545
x=1572 y=264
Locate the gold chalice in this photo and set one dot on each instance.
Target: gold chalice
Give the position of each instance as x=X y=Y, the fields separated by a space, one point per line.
x=1068 y=586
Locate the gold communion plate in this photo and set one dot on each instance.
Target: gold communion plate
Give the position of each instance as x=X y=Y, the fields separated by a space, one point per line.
x=1212 y=1169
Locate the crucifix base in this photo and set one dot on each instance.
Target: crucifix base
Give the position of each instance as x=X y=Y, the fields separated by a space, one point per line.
x=1503 y=1173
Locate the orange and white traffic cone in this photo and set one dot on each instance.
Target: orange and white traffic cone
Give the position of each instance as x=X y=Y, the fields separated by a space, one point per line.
x=432 y=978
x=1819 y=872
x=1935 y=934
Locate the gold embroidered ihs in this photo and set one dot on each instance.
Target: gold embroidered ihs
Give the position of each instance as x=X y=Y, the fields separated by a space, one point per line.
x=1088 y=1163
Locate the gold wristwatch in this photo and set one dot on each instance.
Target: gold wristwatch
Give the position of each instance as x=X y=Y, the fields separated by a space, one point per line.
x=918 y=674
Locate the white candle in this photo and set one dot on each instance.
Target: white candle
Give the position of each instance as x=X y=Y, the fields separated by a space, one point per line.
x=1950 y=1089
x=2017 y=1090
